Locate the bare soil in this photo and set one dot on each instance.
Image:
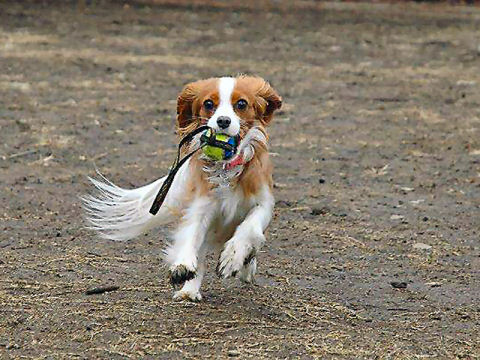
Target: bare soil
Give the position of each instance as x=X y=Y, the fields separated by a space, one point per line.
x=377 y=180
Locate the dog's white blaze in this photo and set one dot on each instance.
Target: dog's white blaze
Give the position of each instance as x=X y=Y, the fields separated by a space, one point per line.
x=225 y=108
x=225 y=89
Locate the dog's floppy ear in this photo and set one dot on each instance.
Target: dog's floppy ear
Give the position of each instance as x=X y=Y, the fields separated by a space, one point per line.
x=185 y=102
x=188 y=104
x=268 y=101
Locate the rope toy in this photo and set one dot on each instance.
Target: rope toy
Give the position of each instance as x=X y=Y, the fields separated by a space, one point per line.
x=215 y=146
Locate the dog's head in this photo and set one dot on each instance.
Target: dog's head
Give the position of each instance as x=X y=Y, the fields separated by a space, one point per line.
x=228 y=105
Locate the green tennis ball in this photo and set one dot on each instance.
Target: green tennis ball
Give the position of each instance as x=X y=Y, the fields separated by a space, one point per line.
x=213 y=152
x=216 y=153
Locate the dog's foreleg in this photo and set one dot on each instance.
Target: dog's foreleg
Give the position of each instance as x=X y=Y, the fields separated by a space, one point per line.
x=191 y=289
x=239 y=253
x=184 y=254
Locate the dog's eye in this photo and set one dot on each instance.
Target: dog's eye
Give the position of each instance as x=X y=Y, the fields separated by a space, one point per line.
x=241 y=104
x=208 y=105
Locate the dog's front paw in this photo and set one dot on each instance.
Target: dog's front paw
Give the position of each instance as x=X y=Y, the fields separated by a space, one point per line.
x=247 y=274
x=233 y=257
x=187 y=295
x=178 y=274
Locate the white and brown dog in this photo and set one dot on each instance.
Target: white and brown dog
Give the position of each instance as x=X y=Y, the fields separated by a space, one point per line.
x=225 y=205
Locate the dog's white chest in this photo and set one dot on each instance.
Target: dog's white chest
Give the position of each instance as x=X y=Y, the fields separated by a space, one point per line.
x=232 y=205
x=219 y=176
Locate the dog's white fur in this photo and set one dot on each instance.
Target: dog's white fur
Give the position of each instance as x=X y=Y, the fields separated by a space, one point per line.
x=206 y=221
x=225 y=89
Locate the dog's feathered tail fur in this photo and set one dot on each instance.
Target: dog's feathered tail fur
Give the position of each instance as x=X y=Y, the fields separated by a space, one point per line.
x=122 y=214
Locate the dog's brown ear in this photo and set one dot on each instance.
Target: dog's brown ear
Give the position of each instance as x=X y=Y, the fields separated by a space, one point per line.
x=268 y=100
x=185 y=101
x=188 y=105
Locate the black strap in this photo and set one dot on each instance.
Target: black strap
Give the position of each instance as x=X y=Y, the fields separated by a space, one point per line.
x=177 y=164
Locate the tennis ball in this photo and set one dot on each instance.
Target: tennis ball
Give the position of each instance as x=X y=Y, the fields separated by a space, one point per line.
x=217 y=153
x=213 y=152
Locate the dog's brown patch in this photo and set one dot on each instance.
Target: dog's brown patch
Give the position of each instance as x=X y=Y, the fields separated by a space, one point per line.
x=257 y=172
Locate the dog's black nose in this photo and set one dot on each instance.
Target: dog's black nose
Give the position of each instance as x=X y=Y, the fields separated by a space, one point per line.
x=223 y=122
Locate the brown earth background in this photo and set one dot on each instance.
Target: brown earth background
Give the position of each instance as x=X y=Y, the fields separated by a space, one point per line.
x=377 y=180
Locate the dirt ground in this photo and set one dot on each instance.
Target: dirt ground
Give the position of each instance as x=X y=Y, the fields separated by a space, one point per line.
x=377 y=180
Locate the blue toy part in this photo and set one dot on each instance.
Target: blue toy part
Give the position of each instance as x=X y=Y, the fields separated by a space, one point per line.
x=228 y=154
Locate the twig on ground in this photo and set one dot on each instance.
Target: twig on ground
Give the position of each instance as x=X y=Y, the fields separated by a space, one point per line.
x=23 y=153
x=101 y=290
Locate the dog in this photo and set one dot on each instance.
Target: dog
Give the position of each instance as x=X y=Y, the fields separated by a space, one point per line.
x=223 y=205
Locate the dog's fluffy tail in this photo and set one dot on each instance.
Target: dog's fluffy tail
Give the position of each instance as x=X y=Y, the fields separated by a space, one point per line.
x=121 y=214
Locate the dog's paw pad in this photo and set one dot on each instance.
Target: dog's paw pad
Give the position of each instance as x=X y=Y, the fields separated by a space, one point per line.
x=179 y=274
x=182 y=295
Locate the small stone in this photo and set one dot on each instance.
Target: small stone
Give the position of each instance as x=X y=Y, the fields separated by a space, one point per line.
x=397 y=217
x=70 y=102
x=422 y=246
x=320 y=211
x=321 y=181
x=466 y=83
x=23 y=125
x=399 y=284
x=233 y=353
x=425 y=218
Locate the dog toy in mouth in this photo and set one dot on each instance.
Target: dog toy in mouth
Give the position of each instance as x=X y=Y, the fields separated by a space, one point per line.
x=215 y=146
x=218 y=146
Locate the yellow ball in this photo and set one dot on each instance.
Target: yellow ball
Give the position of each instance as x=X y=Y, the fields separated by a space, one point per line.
x=216 y=153
x=213 y=152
